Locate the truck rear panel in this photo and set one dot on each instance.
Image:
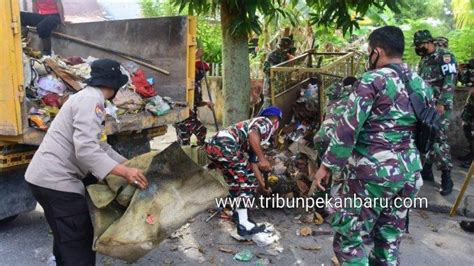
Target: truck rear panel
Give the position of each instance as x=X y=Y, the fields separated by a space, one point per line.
x=11 y=69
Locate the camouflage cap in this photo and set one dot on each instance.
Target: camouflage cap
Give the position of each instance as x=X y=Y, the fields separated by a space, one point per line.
x=422 y=36
x=285 y=42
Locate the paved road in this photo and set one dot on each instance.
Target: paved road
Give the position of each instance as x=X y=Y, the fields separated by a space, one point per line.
x=435 y=239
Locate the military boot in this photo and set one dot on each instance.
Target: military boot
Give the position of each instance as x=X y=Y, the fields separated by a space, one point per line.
x=467 y=226
x=468 y=160
x=446 y=183
x=427 y=172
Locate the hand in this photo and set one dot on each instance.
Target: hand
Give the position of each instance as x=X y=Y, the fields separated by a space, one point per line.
x=265 y=191
x=135 y=176
x=323 y=173
x=440 y=109
x=264 y=165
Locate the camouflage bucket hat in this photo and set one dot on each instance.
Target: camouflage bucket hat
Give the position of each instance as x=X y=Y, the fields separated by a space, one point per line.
x=422 y=36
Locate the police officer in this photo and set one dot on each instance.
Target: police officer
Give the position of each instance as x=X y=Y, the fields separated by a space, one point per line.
x=73 y=147
x=438 y=68
x=373 y=142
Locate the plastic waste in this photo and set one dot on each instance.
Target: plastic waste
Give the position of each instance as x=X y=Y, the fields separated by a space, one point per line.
x=157 y=106
x=244 y=255
x=50 y=84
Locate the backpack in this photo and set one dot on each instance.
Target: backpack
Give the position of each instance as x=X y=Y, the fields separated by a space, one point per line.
x=427 y=116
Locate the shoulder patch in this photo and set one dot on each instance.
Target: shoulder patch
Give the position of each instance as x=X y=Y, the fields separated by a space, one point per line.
x=99 y=110
x=447 y=58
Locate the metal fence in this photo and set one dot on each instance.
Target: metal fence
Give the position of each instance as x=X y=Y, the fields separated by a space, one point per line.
x=287 y=78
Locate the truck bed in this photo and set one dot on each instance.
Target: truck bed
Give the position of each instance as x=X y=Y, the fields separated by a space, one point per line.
x=127 y=123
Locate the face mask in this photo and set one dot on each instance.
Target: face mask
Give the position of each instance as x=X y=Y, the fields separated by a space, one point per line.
x=421 y=51
x=369 y=65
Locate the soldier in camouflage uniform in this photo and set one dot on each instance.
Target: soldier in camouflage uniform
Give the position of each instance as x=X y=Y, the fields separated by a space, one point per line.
x=229 y=150
x=337 y=97
x=438 y=68
x=191 y=125
x=466 y=75
x=467 y=117
x=441 y=42
x=374 y=142
x=275 y=57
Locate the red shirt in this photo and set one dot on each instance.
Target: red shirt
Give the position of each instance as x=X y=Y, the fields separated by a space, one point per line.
x=47 y=7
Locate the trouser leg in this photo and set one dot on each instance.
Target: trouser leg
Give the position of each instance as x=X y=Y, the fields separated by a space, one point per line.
x=45 y=28
x=68 y=217
x=390 y=227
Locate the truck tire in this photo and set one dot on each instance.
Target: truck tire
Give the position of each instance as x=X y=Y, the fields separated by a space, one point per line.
x=16 y=196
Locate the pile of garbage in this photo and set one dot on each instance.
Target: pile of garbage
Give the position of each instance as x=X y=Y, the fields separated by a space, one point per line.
x=50 y=80
x=295 y=160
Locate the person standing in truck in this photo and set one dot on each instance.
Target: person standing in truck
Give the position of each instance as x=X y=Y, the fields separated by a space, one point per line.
x=46 y=16
x=191 y=125
x=73 y=147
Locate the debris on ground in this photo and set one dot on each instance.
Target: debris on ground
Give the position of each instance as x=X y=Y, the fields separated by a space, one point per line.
x=335 y=261
x=318 y=218
x=244 y=255
x=305 y=231
x=311 y=247
x=262 y=262
x=226 y=250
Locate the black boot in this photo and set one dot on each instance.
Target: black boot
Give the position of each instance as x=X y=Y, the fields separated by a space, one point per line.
x=467 y=161
x=467 y=226
x=46 y=46
x=446 y=183
x=427 y=172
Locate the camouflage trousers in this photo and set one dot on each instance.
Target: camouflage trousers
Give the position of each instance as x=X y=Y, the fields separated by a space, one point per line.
x=189 y=126
x=441 y=153
x=232 y=161
x=381 y=222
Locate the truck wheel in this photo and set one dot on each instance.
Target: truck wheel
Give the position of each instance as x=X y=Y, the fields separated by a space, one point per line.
x=16 y=196
x=8 y=220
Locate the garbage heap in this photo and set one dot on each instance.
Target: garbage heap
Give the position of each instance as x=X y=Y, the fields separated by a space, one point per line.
x=294 y=159
x=50 y=80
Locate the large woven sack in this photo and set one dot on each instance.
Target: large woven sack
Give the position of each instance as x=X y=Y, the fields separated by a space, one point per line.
x=128 y=222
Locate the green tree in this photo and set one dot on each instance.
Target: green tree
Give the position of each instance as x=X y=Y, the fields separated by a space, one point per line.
x=463 y=13
x=240 y=18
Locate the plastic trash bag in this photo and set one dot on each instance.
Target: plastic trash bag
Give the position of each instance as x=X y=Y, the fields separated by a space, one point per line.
x=128 y=222
x=157 y=106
